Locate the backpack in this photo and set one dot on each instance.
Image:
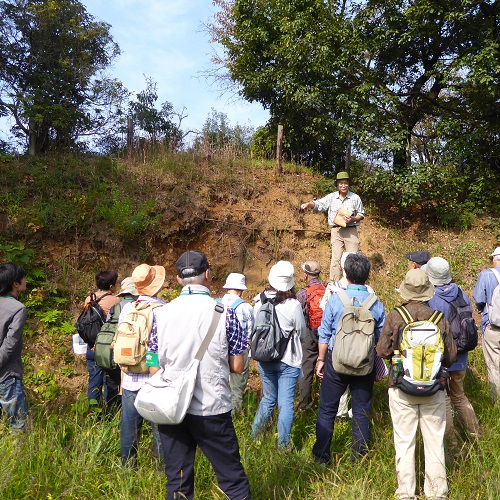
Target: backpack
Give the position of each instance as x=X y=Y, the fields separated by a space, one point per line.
x=102 y=350
x=422 y=348
x=268 y=341
x=353 y=351
x=494 y=307
x=462 y=324
x=131 y=338
x=314 y=313
x=91 y=319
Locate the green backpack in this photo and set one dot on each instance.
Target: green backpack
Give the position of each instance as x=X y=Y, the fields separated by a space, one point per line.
x=102 y=351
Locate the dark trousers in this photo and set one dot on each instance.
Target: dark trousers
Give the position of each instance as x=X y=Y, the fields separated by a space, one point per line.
x=309 y=357
x=216 y=437
x=332 y=387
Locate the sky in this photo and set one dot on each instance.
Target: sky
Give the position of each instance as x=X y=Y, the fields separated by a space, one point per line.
x=164 y=40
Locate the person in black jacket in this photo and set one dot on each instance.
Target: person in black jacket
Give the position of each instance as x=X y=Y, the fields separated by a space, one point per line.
x=13 y=316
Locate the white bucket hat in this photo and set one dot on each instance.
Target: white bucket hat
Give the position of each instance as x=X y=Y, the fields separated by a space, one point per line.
x=438 y=271
x=281 y=276
x=235 y=281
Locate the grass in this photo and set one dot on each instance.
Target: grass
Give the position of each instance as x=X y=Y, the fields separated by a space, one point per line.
x=75 y=455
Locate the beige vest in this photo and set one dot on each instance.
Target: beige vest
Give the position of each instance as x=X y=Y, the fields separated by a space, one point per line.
x=182 y=325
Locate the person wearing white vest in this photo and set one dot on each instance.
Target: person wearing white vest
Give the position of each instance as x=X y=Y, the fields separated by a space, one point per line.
x=182 y=326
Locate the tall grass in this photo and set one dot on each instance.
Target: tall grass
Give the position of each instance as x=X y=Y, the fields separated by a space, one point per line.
x=73 y=455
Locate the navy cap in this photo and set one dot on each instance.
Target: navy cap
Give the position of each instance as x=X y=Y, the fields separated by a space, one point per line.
x=420 y=257
x=191 y=263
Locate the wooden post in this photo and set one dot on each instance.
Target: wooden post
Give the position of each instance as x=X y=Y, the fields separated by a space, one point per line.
x=130 y=136
x=279 y=150
x=348 y=156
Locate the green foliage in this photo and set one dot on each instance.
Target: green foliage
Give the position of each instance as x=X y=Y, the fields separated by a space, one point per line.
x=438 y=191
x=53 y=54
x=16 y=252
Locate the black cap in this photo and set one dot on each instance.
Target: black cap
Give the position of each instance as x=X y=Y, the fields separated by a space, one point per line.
x=191 y=263
x=421 y=257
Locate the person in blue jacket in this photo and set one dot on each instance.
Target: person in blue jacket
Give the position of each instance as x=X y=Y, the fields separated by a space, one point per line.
x=438 y=271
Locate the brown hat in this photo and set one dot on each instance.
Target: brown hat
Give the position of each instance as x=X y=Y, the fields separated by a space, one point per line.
x=148 y=280
x=416 y=286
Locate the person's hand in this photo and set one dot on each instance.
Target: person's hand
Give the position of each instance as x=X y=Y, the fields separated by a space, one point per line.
x=320 y=367
x=304 y=206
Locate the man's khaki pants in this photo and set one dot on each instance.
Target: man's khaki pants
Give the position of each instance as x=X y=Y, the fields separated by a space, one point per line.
x=429 y=413
x=343 y=239
x=491 y=351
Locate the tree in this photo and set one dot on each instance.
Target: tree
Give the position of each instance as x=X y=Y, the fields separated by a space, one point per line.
x=370 y=72
x=156 y=123
x=52 y=54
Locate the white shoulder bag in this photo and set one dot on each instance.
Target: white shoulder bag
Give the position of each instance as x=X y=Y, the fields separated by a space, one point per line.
x=166 y=401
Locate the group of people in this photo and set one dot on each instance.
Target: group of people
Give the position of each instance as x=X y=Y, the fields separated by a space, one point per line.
x=310 y=320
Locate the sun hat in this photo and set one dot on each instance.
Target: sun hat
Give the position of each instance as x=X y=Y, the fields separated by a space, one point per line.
x=311 y=267
x=416 y=286
x=438 y=271
x=191 y=263
x=148 y=279
x=496 y=253
x=420 y=257
x=127 y=287
x=281 y=276
x=342 y=176
x=235 y=281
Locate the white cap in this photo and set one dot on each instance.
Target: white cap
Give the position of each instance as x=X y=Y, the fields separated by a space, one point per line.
x=235 y=281
x=496 y=253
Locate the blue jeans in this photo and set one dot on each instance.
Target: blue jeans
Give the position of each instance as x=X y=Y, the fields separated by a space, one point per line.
x=13 y=402
x=130 y=428
x=278 y=384
x=332 y=387
x=97 y=378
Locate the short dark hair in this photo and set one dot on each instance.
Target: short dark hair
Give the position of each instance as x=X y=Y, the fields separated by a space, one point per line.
x=10 y=273
x=104 y=280
x=282 y=296
x=357 y=268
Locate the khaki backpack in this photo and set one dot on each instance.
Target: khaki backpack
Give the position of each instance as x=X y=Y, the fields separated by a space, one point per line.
x=132 y=337
x=354 y=348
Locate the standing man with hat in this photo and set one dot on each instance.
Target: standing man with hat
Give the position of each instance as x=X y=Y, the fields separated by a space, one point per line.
x=410 y=412
x=345 y=212
x=234 y=286
x=483 y=295
x=310 y=297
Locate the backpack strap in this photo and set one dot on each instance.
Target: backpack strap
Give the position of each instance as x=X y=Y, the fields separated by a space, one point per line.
x=436 y=317
x=236 y=303
x=219 y=309
x=344 y=298
x=97 y=300
x=405 y=314
x=369 y=301
x=497 y=274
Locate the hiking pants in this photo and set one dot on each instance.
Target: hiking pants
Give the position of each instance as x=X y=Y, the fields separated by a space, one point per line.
x=309 y=357
x=333 y=387
x=343 y=239
x=429 y=413
x=464 y=409
x=491 y=351
x=216 y=437
x=238 y=383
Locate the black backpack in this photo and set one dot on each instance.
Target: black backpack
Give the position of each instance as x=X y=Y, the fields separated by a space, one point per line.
x=268 y=342
x=102 y=351
x=90 y=321
x=462 y=324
